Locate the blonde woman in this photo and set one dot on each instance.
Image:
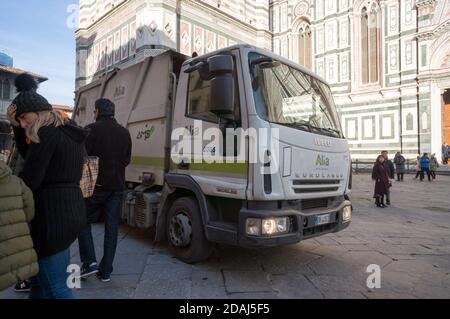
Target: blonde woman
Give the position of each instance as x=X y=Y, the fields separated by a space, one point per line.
x=53 y=149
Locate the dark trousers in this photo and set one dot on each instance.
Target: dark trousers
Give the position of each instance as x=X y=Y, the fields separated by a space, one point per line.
x=433 y=174
x=400 y=176
x=51 y=281
x=109 y=202
x=422 y=174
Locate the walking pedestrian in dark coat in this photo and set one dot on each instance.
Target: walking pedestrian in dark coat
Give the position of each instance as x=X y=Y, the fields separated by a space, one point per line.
x=399 y=161
x=111 y=143
x=445 y=153
x=53 y=150
x=381 y=178
x=389 y=166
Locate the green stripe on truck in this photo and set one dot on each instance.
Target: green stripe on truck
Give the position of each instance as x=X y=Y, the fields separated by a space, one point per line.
x=233 y=168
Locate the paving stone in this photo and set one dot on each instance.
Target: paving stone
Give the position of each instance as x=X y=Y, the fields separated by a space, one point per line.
x=238 y=281
x=254 y=295
x=129 y=263
x=117 y=281
x=431 y=291
x=410 y=266
x=116 y=293
x=349 y=240
x=358 y=247
x=204 y=278
x=161 y=281
x=289 y=287
x=198 y=292
x=338 y=283
x=332 y=265
x=287 y=260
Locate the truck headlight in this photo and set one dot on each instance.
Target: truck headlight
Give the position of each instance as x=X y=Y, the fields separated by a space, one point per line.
x=347 y=213
x=253 y=226
x=267 y=226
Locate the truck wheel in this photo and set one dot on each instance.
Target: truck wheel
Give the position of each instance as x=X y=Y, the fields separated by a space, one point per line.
x=185 y=232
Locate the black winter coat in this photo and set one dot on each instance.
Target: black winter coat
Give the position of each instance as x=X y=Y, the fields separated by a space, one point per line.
x=52 y=170
x=380 y=175
x=389 y=166
x=111 y=142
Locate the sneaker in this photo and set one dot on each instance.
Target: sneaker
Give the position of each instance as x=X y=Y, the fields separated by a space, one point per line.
x=103 y=278
x=86 y=271
x=23 y=286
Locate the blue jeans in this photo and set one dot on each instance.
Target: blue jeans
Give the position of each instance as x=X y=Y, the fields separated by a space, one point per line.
x=110 y=202
x=51 y=281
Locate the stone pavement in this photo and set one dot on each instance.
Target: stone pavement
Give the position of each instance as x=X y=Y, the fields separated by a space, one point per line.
x=410 y=241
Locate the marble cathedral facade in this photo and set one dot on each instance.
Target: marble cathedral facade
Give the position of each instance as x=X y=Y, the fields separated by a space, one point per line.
x=387 y=61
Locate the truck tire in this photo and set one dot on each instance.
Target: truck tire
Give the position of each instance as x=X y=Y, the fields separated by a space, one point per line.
x=185 y=232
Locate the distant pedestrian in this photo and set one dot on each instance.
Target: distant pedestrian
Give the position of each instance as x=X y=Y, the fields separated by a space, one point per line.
x=111 y=143
x=53 y=150
x=445 y=153
x=391 y=173
x=381 y=178
x=417 y=167
x=399 y=161
x=433 y=166
x=425 y=167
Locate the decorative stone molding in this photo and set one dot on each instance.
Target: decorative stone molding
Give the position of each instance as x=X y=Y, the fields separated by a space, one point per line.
x=425 y=7
x=301 y=9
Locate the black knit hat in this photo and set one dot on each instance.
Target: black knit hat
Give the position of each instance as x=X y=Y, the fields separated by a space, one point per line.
x=105 y=107
x=28 y=100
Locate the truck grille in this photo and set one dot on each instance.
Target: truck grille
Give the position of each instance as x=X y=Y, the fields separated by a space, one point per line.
x=314 y=203
x=302 y=186
x=315 y=181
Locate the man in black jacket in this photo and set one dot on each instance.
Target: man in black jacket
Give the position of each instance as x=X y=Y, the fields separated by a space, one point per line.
x=391 y=171
x=111 y=143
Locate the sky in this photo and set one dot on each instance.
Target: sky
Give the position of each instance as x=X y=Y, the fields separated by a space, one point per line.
x=39 y=39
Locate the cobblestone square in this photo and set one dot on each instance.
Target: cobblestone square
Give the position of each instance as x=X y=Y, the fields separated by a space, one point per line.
x=410 y=241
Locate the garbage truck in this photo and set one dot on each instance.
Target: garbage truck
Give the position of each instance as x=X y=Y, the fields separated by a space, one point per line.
x=239 y=146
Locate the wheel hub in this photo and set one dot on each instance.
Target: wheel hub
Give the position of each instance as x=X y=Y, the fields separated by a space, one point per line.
x=180 y=230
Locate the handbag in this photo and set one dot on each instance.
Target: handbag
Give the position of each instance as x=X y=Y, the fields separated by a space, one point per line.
x=89 y=176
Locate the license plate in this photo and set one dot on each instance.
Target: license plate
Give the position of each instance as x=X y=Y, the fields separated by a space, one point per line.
x=322 y=219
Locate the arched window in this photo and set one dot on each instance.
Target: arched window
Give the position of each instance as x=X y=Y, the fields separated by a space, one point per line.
x=424 y=121
x=369 y=44
x=304 y=46
x=6 y=90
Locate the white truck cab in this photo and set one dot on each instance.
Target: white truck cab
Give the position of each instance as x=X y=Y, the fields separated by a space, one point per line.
x=238 y=146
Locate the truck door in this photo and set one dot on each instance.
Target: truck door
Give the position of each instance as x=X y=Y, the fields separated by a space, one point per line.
x=220 y=170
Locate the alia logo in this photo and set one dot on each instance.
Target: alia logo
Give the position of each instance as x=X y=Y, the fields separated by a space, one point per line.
x=322 y=161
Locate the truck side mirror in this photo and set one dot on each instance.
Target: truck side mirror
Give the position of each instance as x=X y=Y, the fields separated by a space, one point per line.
x=221 y=101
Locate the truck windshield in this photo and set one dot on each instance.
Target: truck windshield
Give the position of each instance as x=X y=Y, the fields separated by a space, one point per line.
x=286 y=96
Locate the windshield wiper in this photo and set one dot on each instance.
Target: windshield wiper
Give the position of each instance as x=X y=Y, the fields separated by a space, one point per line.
x=296 y=125
x=328 y=129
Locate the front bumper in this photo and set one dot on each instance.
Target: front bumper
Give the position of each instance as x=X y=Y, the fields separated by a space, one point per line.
x=302 y=224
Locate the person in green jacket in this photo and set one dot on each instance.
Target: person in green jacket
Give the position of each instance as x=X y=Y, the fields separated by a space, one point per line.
x=18 y=259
